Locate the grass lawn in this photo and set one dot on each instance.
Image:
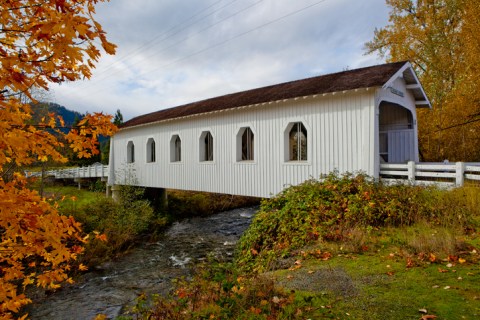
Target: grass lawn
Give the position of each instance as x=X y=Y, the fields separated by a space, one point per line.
x=385 y=281
x=70 y=198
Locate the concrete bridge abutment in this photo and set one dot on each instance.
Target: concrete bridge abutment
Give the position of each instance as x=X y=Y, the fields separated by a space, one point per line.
x=114 y=191
x=158 y=197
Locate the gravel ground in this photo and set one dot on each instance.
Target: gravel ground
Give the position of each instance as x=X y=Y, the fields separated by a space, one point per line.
x=334 y=280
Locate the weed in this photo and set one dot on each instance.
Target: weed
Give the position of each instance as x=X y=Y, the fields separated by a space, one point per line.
x=218 y=292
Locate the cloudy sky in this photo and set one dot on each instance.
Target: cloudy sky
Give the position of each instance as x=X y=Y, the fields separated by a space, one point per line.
x=172 y=52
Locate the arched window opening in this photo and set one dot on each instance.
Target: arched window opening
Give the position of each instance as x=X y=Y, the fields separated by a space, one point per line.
x=175 y=149
x=206 y=146
x=297 y=138
x=130 y=152
x=151 y=156
x=245 y=144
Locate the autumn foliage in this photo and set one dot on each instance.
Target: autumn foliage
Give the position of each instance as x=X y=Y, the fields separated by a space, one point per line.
x=441 y=39
x=41 y=42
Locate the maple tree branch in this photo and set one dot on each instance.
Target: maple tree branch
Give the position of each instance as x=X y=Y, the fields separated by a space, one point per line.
x=457 y=125
x=2 y=30
x=23 y=7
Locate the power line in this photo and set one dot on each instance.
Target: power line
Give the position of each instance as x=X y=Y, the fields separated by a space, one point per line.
x=231 y=38
x=285 y=16
x=234 y=37
x=168 y=36
x=180 y=41
x=202 y=30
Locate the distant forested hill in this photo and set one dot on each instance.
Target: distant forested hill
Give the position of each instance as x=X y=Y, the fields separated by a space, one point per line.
x=70 y=118
x=42 y=109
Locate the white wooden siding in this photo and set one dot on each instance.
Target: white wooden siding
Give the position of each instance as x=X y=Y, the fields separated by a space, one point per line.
x=340 y=137
x=401 y=146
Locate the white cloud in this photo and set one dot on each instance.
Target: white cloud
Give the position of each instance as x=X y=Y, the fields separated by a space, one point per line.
x=170 y=52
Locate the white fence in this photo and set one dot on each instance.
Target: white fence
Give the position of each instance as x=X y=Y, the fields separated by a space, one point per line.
x=441 y=174
x=95 y=171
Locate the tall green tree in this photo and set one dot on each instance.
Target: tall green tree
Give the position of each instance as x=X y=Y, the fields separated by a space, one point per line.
x=441 y=40
x=118 y=118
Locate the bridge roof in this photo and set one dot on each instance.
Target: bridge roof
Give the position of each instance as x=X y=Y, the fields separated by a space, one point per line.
x=375 y=76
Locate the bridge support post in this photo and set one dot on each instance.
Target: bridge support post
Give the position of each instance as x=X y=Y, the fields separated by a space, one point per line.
x=115 y=190
x=79 y=181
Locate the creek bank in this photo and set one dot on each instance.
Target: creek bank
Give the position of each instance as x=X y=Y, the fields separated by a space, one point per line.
x=147 y=269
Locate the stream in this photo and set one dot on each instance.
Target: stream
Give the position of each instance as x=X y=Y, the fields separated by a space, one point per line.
x=148 y=268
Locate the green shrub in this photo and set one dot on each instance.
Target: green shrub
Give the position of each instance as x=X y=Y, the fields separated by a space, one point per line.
x=122 y=222
x=324 y=209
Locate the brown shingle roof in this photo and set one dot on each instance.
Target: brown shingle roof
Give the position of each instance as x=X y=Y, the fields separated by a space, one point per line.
x=347 y=80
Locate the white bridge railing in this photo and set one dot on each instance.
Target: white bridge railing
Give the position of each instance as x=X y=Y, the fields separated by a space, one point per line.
x=441 y=174
x=95 y=171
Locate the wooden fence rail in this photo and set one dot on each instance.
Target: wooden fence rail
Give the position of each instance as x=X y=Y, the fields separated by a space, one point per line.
x=441 y=174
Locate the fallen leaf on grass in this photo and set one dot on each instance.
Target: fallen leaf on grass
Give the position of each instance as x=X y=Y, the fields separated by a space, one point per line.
x=409 y=262
x=390 y=273
x=428 y=316
x=423 y=310
x=326 y=256
x=461 y=260
x=255 y=310
x=442 y=270
x=452 y=258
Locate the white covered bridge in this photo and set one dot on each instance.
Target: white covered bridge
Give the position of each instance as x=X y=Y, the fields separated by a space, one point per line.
x=257 y=142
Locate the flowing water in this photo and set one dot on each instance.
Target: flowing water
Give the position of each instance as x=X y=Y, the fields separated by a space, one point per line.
x=146 y=269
